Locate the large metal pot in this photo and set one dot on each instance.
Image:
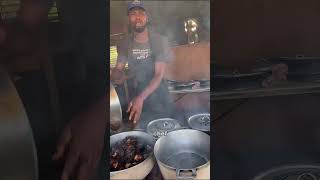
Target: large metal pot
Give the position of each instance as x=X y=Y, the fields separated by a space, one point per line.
x=141 y=170
x=184 y=154
x=115 y=110
x=18 y=160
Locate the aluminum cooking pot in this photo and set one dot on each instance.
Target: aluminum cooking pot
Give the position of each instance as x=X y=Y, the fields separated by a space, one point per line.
x=200 y=122
x=18 y=160
x=141 y=170
x=184 y=154
x=115 y=110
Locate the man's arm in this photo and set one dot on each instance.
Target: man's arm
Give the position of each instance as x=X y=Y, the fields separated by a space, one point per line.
x=117 y=73
x=162 y=56
x=160 y=69
x=135 y=106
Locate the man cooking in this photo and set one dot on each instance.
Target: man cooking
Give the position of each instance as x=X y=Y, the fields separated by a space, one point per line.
x=147 y=54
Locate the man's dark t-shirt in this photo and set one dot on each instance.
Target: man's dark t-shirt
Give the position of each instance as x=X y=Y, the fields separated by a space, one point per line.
x=141 y=58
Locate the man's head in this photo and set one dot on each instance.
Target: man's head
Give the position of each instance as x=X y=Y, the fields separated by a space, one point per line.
x=33 y=12
x=137 y=16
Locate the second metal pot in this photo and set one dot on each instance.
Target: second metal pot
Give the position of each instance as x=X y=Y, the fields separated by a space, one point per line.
x=184 y=154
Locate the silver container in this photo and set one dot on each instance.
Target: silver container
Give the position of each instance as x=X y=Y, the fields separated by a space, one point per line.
x=200 y=122
x=115 y=110
x=184 y=154
x=141 y=170
x=161 y=127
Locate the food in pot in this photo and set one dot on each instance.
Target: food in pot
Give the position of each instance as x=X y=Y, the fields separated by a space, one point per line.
x=128 y=153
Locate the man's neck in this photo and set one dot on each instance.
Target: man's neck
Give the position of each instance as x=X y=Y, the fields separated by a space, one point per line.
x=141 y=37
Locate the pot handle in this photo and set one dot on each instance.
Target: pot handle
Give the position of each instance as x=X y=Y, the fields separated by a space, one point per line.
x=193 y=175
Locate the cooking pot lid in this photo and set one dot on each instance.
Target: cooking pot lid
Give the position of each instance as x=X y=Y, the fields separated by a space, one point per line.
x=160 y=127
x=200 y=122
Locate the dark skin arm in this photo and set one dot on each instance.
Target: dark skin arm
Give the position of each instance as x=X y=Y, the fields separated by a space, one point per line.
x=135 y=106
x=84 y=139
x=117 y=74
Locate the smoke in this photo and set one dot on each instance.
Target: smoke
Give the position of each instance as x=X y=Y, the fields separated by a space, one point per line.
x=167 y=17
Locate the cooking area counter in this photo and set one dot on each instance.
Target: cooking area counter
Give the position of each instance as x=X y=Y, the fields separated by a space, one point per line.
x=288 y=88
x=257 y=134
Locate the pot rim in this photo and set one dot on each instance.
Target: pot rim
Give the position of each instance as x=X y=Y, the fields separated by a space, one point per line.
x=172 y=168
x=136 y=166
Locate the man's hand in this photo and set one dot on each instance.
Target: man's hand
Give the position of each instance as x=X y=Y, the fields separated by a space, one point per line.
x=135 y=108
x=81 y=144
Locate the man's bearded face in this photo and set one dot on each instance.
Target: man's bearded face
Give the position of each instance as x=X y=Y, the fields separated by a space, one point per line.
x=137 y=19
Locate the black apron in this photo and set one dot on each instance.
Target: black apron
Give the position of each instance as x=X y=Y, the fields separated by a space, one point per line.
x=158 y=104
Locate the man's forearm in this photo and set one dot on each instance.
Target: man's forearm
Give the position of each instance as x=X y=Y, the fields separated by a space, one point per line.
x=154 y=84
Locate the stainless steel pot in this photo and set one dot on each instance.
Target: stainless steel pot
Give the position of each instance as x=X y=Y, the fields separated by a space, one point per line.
x=141 y=170
x=115 y=110
x=161 y=127
x=184 y=154
x=18 y=159
x=200 y=122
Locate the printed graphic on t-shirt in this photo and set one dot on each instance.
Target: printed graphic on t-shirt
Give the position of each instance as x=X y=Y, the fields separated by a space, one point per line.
x=141 y=54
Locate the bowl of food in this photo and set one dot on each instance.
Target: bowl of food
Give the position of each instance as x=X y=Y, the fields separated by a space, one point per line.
x=131 y=155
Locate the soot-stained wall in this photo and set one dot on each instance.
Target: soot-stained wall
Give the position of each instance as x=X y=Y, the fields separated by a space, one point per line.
x=249 y=29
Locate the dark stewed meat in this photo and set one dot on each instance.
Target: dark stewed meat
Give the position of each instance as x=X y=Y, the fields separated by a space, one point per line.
x=127 y=153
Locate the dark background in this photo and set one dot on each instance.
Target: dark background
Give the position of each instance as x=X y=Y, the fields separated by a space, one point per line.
x=247 y=29
x=263 y=133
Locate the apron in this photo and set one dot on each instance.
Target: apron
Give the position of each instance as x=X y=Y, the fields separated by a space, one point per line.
x=156 y=105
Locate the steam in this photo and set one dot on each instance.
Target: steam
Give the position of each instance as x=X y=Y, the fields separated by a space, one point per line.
x=167 y=16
